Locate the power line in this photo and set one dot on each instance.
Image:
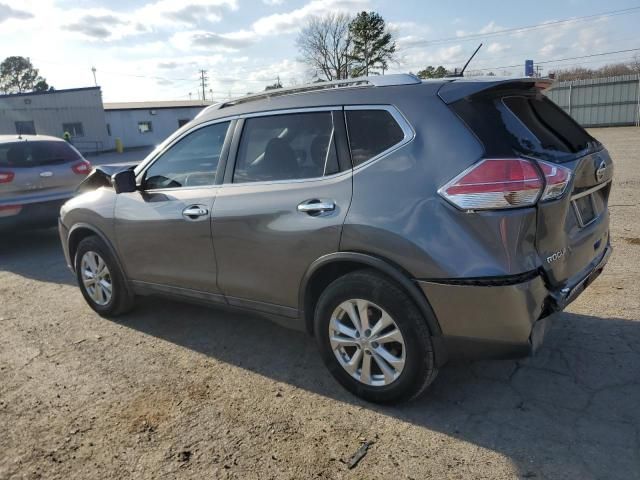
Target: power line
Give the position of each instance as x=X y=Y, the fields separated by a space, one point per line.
x=564 y=59
x=477 y=36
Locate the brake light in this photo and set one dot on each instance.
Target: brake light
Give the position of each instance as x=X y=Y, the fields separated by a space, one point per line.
x=6 y=177
x=494 y=184
x=81 y=168
x=557 y=178
x=9 y=210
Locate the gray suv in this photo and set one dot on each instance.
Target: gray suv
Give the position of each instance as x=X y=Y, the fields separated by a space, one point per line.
x=402 y=223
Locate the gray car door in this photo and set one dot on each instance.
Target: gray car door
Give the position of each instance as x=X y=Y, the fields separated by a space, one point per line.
x=164 y=230
x=282 y=205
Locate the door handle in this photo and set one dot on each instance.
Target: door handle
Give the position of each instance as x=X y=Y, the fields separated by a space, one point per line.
x=316 y=207
x=194 y=212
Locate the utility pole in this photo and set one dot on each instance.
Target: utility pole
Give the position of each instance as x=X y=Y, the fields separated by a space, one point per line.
x=203 y=81
x=93 y=69
x=538 y=69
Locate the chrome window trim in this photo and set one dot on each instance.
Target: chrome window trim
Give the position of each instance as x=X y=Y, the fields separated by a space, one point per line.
x=292 y=180
x=155 y=155
x=401 y=120
x=290 y=111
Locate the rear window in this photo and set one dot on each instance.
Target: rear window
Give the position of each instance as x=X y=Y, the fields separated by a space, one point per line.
x=371 y=132
x=526 y=125
x=34 y=154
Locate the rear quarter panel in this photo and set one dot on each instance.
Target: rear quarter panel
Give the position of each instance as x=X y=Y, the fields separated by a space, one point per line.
x=397 y=214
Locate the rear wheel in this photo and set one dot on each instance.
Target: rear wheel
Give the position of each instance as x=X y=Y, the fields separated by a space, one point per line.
x=101 y=280
x=373 y=338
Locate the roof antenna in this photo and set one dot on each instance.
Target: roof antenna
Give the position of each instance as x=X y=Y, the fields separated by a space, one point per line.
x=461 y=74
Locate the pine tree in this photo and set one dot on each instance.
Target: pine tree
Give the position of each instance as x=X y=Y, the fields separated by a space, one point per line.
x=373 y=44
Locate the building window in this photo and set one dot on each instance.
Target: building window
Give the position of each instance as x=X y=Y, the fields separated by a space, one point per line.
x=75 y=129
x=25 y=128
x=182 y=122
x=145 y=127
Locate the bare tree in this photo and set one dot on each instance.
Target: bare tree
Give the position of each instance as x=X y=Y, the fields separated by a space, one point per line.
x=610 y=70
x=325 y=45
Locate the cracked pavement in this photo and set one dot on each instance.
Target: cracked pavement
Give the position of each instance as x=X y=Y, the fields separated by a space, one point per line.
x=182 y=391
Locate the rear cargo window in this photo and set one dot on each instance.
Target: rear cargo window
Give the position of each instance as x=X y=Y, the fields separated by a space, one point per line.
x=34 y=154
x=371 y=132
x=526 y=125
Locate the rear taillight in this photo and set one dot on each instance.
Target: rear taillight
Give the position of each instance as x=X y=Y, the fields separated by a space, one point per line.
x=81 y=168
x=9 y=210
x=505 y=183
x=6 y=177
x=495 y=183
x=556 y=179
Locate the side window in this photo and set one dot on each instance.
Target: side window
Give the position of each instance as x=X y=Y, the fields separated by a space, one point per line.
x=191 y=162
x=286 y=147
x=371 y=132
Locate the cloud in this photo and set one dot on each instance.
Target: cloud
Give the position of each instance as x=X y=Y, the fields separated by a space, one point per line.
x=98 y=27
x=497 y=47
x=291 y=21
x=212 y=41
x=273 y=2
x=105 y=24
x=276 y=24
x=168 y=65
x=191 y=13
x=490 y=28
x=7 y=12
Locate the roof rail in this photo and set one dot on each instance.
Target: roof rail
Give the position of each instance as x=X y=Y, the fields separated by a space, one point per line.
x=373 y=81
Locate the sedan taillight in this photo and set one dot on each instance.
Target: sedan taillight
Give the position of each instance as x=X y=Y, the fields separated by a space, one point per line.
x=505 y=183
x=6 y=177
x=81 y=168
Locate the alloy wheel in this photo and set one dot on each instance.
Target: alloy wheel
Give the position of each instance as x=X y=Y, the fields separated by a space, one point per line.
x=96 y=278
x=367 y=342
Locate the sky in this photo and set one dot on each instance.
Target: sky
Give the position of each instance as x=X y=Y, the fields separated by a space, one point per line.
x=154 y=49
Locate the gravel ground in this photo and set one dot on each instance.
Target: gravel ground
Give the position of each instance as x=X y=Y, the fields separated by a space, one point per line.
x=180 y=391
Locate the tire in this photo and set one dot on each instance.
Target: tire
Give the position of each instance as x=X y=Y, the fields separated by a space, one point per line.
x=396 y=382
x=120 y=299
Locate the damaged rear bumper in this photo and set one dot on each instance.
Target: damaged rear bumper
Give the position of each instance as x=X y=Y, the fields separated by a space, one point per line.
x=501 y=318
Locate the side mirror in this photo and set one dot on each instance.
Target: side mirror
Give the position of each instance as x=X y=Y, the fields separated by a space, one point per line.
x=124 y=182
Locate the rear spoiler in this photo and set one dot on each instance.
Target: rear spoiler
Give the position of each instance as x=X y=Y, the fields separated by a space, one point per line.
x=464 y=87
x=101 y=175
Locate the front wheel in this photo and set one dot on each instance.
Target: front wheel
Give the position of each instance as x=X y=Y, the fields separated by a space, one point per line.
x=373 y=339
x=100 y=278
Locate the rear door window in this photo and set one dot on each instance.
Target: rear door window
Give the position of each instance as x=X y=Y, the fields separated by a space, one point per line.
x=36 y=153
x=286 y=147
x=371 y=132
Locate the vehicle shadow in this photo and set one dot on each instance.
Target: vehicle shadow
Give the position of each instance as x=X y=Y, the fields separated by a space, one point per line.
x=35 y=254
x=569 y=412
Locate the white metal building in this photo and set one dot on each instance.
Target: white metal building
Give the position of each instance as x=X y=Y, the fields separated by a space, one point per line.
x=140 y=124
x=78 y=111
